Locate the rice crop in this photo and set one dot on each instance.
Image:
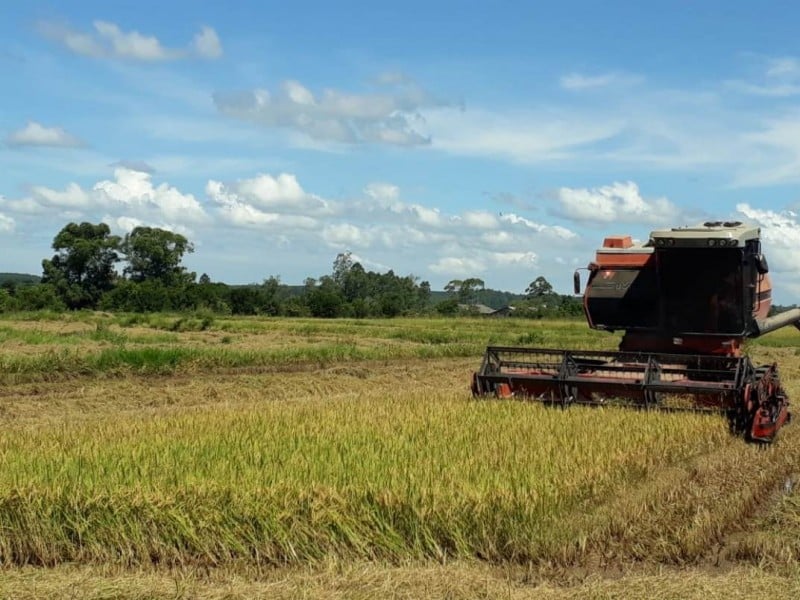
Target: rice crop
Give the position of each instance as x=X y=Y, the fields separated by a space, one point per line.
x=296 y=442
x=395 y=476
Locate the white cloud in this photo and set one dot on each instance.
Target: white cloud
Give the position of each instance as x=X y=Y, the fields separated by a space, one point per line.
x=480 y=219
x=415 y=214
x=554 y=231
x=126 y=224
x=207 y=44
x=73 y=197
x=279 y=194
x=579 y=82
x=36 y=134
x=780 y=78
x=108 y=40
x=7 y=224
x=783 y=67
x=525 y=137
x=132 y=44
x=781 y=237
x=383 y=191
x=776 y=151
x=455 y=266
x=390 y=117
x=275 y=210
x=615 y=203
x=134 y=189
x=131 y=195
x=346 y=235
x=528 y=259
x=260 y=202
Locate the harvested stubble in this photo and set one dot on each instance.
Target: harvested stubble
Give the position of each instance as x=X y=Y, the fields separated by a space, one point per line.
x=358 y=581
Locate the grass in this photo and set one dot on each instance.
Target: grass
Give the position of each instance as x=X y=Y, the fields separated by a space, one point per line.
x=91 y=344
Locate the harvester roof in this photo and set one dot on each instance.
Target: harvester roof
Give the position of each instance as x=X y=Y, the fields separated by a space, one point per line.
x=710 y=233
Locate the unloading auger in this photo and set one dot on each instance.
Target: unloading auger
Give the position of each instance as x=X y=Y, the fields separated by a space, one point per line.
x=687 y=299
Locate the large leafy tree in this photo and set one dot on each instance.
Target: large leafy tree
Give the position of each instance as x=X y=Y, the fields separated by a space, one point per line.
x=155 y=254
x=466 y=290
x=82 y=269
x=539 y=288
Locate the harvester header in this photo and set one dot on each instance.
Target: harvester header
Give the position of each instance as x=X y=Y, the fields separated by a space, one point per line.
x=686 y=299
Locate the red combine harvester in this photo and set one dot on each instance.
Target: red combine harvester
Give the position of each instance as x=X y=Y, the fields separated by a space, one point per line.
x=686 y=300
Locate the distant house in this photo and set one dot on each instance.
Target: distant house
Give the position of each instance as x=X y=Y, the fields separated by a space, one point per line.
x=486 y=311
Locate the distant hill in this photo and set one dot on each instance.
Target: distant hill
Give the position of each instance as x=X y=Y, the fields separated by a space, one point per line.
x=19 y=278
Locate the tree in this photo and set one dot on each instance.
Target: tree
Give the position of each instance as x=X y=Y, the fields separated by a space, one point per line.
x=342 y=265
x=465 y=290
x=423 y=295
x=82 y=269
x=453 y=286
x=156 y=254
x=538 y=288
x=355 y=283
x=325 y=300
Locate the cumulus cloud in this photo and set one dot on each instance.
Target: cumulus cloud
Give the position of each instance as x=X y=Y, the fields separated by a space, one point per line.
x=388 y=117
x=347 y=235
x=457 y=266
x=480 y=219
x=276 y=210
x=615 y=203
x=780 y=234
x=36 y=134
x=382 y=191
x=385 y=228
x=7 y=224
x=108 y=40
x=266 y=200
x=130 y=195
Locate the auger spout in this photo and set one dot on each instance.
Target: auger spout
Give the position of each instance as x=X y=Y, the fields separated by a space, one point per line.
x=789 y=317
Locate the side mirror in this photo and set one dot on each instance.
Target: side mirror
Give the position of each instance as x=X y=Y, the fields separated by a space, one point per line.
x=576 y=283
x=761 y=264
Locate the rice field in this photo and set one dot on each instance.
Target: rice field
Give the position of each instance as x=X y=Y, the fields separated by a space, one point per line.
x=266 y=457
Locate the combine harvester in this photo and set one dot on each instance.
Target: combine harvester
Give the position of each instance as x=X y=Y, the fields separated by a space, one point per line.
x=686 y=300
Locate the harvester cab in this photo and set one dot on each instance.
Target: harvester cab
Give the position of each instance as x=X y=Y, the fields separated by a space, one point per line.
x=686 y=299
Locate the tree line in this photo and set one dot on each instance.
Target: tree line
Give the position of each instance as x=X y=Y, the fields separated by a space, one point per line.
x=142 y=271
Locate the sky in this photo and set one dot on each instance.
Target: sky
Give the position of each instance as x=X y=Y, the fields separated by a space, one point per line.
x=446 y=140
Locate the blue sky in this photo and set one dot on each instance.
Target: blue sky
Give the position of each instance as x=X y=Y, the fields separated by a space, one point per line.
x=442 y=139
